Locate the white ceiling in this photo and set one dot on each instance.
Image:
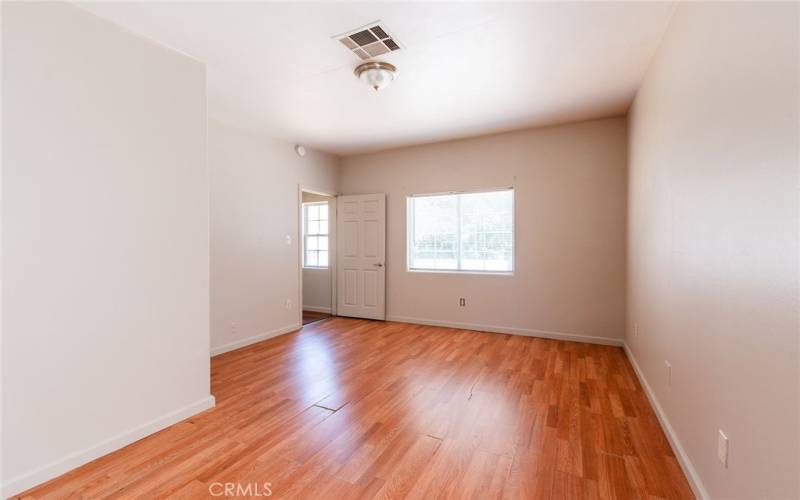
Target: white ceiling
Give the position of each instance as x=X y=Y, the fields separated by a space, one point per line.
x=465 y=69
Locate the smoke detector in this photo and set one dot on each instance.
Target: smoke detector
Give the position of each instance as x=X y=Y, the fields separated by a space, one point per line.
x=368 y=41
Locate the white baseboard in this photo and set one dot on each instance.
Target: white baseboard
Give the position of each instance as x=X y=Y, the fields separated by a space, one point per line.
x=574 y=337
x=252 y=340
x=318 y=309
x=683 y=459
x=73 y=460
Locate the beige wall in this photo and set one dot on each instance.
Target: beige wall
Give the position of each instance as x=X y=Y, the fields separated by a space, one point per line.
x=254 y=207
x=570 y=228
x=713 y=241
x=105 y=240
x=317 y=289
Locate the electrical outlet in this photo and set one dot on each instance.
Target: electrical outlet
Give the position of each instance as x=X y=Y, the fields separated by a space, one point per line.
x=233 y=327
x=288 y=304
x=288 y=239
x=669 y=373
x=722 y=448
x=462 y=302
x=636 y=329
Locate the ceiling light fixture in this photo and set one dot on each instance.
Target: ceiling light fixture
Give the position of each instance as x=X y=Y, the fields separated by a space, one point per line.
x=376 y=74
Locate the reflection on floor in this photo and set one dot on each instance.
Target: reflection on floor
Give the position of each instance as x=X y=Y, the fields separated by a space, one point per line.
x=312 y=316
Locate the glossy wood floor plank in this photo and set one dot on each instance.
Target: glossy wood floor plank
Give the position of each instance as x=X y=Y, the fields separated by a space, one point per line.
x=350 y=408
x=312 y=316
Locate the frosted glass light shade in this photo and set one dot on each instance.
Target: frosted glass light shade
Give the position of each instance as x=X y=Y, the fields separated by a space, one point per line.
x=376 y=74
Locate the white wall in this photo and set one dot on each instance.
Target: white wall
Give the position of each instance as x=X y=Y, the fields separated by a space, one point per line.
x=105 y=239
x=254 y=207
x=570 y=198
x=713 y=241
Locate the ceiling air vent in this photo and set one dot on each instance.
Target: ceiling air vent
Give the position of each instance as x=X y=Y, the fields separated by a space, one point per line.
x=369 y=41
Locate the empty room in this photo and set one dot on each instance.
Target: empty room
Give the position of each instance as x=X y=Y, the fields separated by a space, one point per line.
x=388 y=250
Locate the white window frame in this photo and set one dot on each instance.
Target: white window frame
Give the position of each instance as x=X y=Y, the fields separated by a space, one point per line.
x=410 y=234
x=306 y=235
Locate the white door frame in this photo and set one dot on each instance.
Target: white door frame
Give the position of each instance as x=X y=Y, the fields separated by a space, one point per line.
x=304 y=188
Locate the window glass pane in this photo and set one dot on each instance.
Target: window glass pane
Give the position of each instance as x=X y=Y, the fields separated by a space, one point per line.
x=311 y=258
x=461 y=232
x=486 y=237
x=315 y=223
x=435 y=229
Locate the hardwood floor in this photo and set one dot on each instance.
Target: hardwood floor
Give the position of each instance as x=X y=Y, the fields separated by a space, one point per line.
x=312 y=316
x=350 y=408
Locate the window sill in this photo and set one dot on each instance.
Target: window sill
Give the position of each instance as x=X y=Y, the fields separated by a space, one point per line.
x=317 y=268
x=458 y=273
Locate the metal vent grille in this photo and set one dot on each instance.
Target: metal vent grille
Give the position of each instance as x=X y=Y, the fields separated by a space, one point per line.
x=363 y=38
x=378 y=31
x=391 y=44
x=369 y=41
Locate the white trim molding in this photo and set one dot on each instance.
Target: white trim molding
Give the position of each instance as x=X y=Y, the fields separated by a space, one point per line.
x=54 y=469
x=319 y=309
x=526 y=332
x=683 y=459
x=255 y=338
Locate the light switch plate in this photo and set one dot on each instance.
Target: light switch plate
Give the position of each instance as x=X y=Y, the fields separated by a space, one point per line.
x=722 y=448
x=668 y=365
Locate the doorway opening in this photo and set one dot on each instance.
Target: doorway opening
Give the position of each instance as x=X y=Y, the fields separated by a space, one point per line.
x=317 y=223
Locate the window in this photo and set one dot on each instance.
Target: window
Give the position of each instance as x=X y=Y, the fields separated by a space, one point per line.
x=472 y=232
x=315 y=234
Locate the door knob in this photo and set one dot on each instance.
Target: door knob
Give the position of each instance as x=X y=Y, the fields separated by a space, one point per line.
x=378 y=264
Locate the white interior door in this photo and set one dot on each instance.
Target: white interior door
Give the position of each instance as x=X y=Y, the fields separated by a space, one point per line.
x=361 y=256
